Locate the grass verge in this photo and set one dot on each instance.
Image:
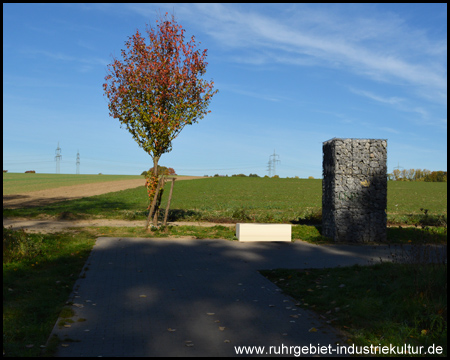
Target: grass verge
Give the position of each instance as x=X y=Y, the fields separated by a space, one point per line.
x=381 y=304
x=39 y=272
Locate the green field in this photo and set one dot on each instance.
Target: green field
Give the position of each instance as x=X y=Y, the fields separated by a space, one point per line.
x=284 y=200
x=381 y=304
x=245 y=199
x=15 y=183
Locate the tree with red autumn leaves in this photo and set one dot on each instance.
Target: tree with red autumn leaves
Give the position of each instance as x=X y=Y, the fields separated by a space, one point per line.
x=157 y=89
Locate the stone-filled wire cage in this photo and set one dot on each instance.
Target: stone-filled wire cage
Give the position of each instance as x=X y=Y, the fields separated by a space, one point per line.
x=354 y=190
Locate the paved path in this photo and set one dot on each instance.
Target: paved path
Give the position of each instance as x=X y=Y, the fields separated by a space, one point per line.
x=160 y=297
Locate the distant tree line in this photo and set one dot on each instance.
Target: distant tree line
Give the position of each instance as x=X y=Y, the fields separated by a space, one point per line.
x=162 y=170
x=418 y=175
x=257 y=176
x=243 y=175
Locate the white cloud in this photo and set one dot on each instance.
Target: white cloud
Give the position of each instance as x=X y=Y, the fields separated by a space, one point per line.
x=387 y=100
x=382 y=48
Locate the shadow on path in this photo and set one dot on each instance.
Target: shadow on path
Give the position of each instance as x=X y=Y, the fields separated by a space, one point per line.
x=159 y=297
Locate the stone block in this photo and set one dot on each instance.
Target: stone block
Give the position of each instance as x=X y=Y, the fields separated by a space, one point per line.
x=354 y=189
x=264 y=232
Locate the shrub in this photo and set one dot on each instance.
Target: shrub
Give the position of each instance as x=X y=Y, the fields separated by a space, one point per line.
x=162 y=170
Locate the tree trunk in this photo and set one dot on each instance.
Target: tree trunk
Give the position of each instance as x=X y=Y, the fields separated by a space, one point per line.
x=153 y=213
x=158 y=197
x=154 y=205
x=155 y=165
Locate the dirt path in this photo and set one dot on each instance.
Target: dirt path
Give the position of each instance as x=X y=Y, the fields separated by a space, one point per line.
x=48 y=196
x=52 y=225
x=46 y=224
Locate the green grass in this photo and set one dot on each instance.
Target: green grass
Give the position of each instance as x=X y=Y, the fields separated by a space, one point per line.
x=39 y=272
x=264 y=200
x=15 y=183
x=386 y=303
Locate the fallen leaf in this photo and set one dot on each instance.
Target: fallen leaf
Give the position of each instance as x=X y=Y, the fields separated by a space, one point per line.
x=221 y=328
x=210 y=314
x=67 y=326
x=313 y=329
x=171 y=330
x=226 y=341
x=142 y=296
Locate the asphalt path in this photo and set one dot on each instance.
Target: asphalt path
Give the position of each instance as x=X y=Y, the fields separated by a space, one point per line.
x=172 y=297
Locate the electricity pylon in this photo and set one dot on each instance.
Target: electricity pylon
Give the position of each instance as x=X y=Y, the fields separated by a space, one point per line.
x=269 y=168
x=78 y=161
x=274 y=161
x=58 y=158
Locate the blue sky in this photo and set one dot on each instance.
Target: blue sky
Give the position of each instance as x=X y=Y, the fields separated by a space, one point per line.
x=290 y=76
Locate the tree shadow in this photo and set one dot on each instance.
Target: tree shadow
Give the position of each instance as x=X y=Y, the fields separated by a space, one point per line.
x=92 y=205
x=180 y=215
x=169 y=293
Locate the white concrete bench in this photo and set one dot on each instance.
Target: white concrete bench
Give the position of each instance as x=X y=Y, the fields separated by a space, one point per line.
x=263 y=232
